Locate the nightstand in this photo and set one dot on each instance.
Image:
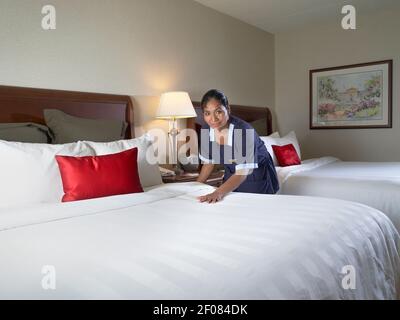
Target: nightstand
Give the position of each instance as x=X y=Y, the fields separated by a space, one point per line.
x=215 y=179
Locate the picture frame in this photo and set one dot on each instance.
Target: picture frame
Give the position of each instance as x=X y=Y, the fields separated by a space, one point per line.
x=352 y=97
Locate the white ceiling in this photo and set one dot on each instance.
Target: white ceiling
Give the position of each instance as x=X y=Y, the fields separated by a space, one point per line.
x=282 y=15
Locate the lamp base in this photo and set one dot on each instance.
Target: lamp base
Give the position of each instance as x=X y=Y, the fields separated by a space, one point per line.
x=177 y=169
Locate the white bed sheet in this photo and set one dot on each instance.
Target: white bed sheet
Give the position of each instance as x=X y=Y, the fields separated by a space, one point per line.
x=376 y=184
x=163 y=244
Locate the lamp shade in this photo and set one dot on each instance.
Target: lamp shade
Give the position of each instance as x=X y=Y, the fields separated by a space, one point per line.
x=174 y=105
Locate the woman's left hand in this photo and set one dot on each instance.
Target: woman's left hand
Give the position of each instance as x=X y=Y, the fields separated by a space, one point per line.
x=214 y=197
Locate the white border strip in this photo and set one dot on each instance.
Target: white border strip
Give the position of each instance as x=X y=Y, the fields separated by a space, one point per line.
x=205 y=160
x=246 y=166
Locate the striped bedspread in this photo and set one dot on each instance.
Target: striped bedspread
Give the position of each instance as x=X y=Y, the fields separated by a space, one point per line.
x=163 y=244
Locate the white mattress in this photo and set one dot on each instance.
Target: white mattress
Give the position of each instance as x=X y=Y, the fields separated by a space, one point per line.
x=163 y=244
x=376 y=184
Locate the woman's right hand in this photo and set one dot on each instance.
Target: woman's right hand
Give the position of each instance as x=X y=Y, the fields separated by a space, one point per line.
x=213 y=197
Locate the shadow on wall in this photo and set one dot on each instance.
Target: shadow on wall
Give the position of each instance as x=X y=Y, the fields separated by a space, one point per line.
x=275 y=126
x=144 y=110
x=347 y=145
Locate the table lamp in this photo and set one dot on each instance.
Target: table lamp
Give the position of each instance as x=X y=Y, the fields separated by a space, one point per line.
x=173 y=106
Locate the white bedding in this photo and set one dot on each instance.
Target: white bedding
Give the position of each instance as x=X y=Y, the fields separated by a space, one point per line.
x=376 y=184
x=163 y=244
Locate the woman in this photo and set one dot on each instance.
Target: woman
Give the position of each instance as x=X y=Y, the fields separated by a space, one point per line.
x=230 y=141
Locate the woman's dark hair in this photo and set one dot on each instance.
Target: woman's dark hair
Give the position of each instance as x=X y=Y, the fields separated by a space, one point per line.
x=215 y=94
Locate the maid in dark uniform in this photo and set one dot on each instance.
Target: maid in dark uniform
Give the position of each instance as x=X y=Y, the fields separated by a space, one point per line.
x=228 y=140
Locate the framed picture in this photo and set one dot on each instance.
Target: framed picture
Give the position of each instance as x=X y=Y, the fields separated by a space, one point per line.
x=353 y=96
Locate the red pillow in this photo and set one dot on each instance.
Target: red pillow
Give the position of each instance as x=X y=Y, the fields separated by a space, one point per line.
x=286 y=155
x=99 y=176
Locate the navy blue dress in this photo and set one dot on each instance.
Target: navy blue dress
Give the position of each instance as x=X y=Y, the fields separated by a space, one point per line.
x=244 y=150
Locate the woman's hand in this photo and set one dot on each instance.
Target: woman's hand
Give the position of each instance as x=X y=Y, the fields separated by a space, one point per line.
x=214 y=197
x=228 y=186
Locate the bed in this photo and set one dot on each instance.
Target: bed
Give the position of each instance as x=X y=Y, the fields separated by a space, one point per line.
x=376 y=184
x=163 y=244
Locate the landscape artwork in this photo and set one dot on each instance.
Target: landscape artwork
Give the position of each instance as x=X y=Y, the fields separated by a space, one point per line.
x=351 y=97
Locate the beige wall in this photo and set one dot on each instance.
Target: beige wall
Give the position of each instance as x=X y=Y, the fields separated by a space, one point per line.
x=136 y=47
x=313 y=47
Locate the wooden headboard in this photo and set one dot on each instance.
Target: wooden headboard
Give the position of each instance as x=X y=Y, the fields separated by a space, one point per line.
x=19 y=104
x=245 y=113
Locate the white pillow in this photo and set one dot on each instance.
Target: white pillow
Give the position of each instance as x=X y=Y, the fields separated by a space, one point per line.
x=149 y=172
x=269 y=141
x=274 y=135
x=290 y=138
x=29 y=172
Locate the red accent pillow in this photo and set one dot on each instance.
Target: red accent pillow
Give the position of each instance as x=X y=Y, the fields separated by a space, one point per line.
x=99 y=176
x=286 y=155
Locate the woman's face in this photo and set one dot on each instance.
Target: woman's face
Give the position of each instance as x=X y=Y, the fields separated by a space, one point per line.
x=215 y=114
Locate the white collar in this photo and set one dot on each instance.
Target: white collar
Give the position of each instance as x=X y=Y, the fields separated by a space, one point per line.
x=230 y=134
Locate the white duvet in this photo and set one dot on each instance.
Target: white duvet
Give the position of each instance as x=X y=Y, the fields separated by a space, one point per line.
x=376 y=184
x=163 y=244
